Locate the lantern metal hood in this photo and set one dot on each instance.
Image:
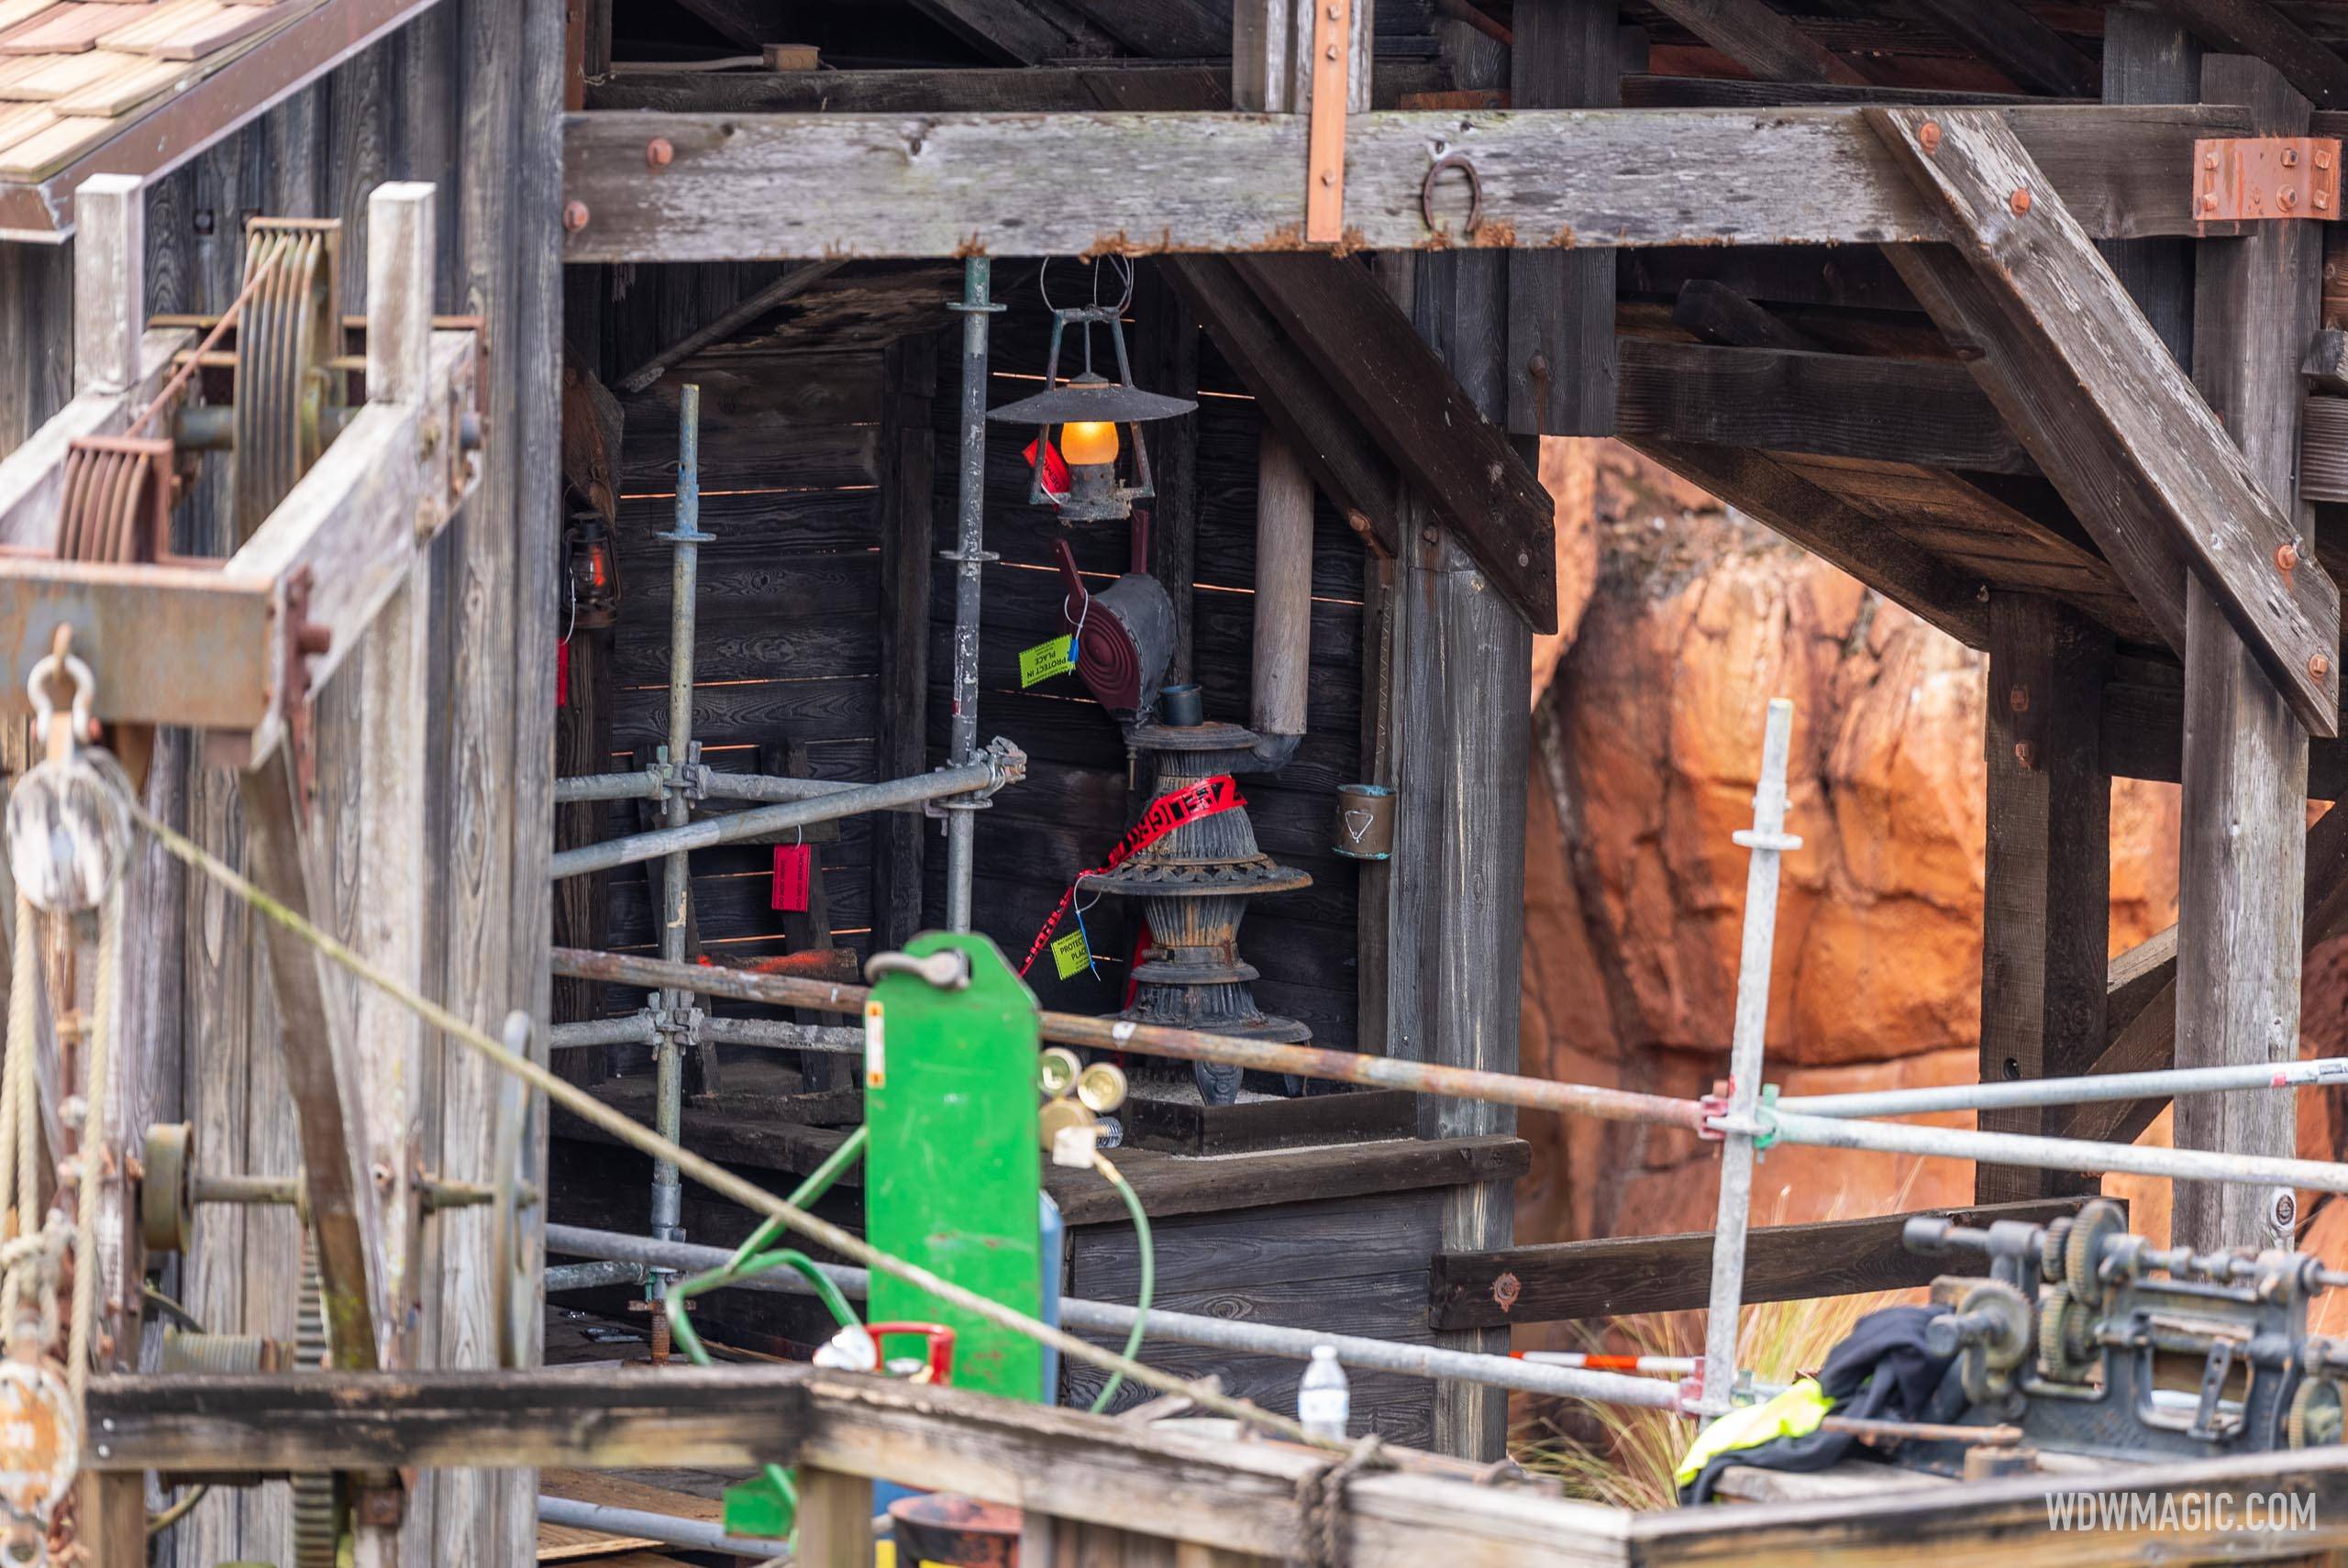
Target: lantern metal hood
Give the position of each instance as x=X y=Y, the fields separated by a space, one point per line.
x=1087 y=409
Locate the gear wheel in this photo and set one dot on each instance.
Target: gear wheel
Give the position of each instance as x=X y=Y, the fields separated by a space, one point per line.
x=2066 y=1346
x=2050 y=1250
x=2315 y=1419
x=317 y=1513
x=2083 y=1250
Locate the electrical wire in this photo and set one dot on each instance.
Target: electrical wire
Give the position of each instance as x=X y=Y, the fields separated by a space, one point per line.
x=1149 y=1273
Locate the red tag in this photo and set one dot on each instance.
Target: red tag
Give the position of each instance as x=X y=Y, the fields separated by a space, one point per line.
x=562 y=673
x=1055 y=467
x=793 y=864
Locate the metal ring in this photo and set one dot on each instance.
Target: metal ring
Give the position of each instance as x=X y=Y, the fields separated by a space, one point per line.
x=1461 y=162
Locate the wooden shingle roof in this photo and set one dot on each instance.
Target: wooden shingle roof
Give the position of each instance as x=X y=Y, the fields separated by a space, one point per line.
x=74 y=72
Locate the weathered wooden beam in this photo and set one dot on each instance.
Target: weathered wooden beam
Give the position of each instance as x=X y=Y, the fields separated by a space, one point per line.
x=2148 y=58
x=1614 y=1276
x=1765 y=41
x=2256 y=27
x=1925 y=412
x=2241 y=860
x=2143 y=735
x=2326 y=367
x=1561 y=371
x=790 y=286
x=1272 y=62
x=1008 y=31
x=209 y=649
x=766 y=187
x=745 y=21
x=1755 y=484
x=1719 y=314
x=1290 y=392
x=1458 y=461
x=2034 y=56
x=2153 y=443
x=908 y=456
x=2047 y=892
x=1035 y=90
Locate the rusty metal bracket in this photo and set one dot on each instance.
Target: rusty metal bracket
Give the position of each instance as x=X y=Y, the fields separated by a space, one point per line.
x=1324 y=194
x=304 y=640
x=2239 y=178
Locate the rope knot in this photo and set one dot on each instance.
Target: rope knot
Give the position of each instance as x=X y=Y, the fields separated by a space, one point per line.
x=1320 y=1498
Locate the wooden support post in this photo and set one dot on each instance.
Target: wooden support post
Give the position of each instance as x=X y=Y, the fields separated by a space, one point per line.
x=1561 y=361
x=2047 y=885
x=391 y=911
x=110 y=283
x=322 y=1066
x=2255 y=28
x=110 y=1518
x=2148 y=58
x=2243 y=864
x=908 y=456
x=1462 y=732
x=835 y=1519
x=1271 y=57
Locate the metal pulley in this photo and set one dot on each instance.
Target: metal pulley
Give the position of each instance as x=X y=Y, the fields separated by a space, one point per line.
x=289 y=361
x=69 y=817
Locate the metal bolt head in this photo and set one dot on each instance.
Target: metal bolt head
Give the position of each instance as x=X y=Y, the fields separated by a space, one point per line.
x=2209 y=204
x=1428 y=535
x=2020 y=202
x=2208 y=160
x=574 y=216
x=2018 y=699
x=2288 y=197
x=1524 y=558
x=659 y=153
x=2286 y=557
x=2319 y=667
x=2026 y=754
x=1927 y=135
x=2323 y=158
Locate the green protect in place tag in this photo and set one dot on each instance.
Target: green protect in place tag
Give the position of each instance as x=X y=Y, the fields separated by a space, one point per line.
x=1070 y=954
x=1046 y=659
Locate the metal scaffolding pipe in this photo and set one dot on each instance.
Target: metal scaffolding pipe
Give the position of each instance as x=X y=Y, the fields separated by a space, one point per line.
x=2049 y=1154
x=1768 y=841
x=1184 y=1328
x=676 y=882
x=1002 y=763
x=969 y=555
x=636 y=1029
x=776 y=1034
x=642 y=785
x=2072 y=1090
x=592 y=1276
x=697 y=1535
x=1181 y=1045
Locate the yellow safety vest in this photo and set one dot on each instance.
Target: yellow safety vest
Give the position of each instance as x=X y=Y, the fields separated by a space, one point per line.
x=1794 y=1413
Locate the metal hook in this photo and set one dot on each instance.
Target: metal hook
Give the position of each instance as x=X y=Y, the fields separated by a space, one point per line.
x=85 y=685
x=1466 y=164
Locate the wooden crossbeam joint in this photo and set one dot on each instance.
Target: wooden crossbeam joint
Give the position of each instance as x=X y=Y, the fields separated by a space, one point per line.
x=2236 y=179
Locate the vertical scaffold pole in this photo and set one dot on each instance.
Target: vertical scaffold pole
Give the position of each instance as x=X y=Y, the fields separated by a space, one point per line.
x=677 y=872
x=1769 y=841
x=970 y=556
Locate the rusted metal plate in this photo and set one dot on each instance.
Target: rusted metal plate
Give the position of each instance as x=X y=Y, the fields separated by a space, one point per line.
x=1324 y=200
x=174 y=645
x=2237 y=178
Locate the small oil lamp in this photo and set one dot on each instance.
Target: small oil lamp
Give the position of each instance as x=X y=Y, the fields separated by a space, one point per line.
x=1087 y=409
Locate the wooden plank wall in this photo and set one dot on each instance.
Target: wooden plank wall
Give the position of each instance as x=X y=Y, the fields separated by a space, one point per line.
x=465 y=98
x=1075 y=802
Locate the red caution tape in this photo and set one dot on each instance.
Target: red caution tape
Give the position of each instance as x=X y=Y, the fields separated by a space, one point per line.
x=1205 y=799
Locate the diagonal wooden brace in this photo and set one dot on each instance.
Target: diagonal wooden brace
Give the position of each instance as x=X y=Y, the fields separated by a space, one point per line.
x=2095 y=396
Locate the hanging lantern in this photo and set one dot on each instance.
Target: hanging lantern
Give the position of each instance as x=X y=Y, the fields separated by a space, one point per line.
x=1080 y=418
x=594 y=573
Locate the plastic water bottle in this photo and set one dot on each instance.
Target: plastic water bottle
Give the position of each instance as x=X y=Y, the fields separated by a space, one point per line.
x=1323 y=1401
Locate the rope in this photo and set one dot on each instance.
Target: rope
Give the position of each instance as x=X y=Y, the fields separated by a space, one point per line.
x=1321 y=1499
x=709 y=1174
x=19 y=1177
x=97 y=1096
